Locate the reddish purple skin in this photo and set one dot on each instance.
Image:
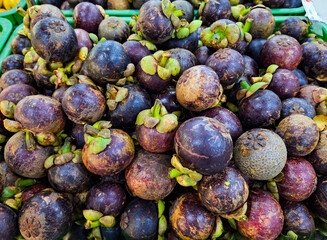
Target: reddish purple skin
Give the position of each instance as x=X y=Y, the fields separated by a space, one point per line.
x=284 y=83
x=202 y=54
x=228 y=64
x=299 y=180
x=77 y=135
x=148 y=176
x=319 y=198
x=204 y=144
x=251 y=68
x=190 y=219
x=264 y=217
x=15 y=76
x=306 y=92
x=297 y=106
x=14 y=61
x=153 y=83
x=17 y=92
x=42 y=82
x=261 y=109
x=114 y=28
x=83 y=39
x=226 y=117
x=69 y=177
x=30 y=192
x=87 y=16
x=7 y=176
x=298 y=219
x=83 y=103
x=318 y=158
x=114 y=158
x=8 y=223
x=223 y=192
x=23 y=162
x=169 y=100
x=58 y=94
x=19 y=43
x=153 y=141
x=107 y=198
x=39 y=113
x=136 y=51
x=215 y=10
x=263 y=23
x=282 y=50
x=47 y=215
x=274 y=3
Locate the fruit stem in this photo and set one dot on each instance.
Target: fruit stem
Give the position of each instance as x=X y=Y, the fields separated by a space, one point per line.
x=25 y=182
x=66 y=147
x=21 y=11
x=164 y=58
x=30 y=141
x=244 y=85
x=247 y=25
x=156 y=109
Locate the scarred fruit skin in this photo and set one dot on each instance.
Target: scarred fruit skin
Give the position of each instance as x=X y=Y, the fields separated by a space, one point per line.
x=204 y=145
x=139 y=220
x=319 y=199
x=23 y=162
x=264 y=217
x=17 y=92
x=260 y=154
x=107 y=198
x=148 y=176
x=15 y=76
x=8 y=222
x=294 y=27
x=299 y=180
x=223 y=192
x=300 y=134
x=47 y=215
x=297 y=106
x=283 y=51
x=198 y=88
x=298 y=219
x=83 y=103
x=114 y=158
x=39 y=113
x=318 y=158
x=263 y=23
x=215 y=10
x=190 y=219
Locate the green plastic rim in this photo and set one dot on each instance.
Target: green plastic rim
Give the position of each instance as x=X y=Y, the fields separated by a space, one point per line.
x=12 y=14
x=288 y=11
x=6 y=28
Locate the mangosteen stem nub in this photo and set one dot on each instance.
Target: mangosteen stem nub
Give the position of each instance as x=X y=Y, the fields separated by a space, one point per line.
x=272 y=187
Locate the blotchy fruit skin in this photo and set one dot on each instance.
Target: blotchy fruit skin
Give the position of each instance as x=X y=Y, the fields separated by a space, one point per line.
x=274 y=3
x=47 y=215
x=284 y=83
x=307 y=91
x=198 y=88
x=294 y=27
x=114 y=28
x=319 y=198
x=297 y=106
x=299 y=180
x=318 y=158
x=190 y=219
x=17 y=92
x=39 y=113
x=19 y=43
x=114 y=158
x=148 y=176
x=83 y=103
x=7 y=176
x=283 y=51
x=23 y=162
x=300 y=134
x=264 y=217
x=260 y=154
x=15 y=76
x=298 y=219
x=139 y=220
x=107 y=60
x=204 y=145
x=107 y=198
x=54 y=40
x=153 y=24
x=136 y=51
x=223 y=192
x=215 y=10
x=87 y=16
x=263 y=23
x=314 y=61
x=261 y=109
x=14 y=61
x=228 y=64
x=8 y=222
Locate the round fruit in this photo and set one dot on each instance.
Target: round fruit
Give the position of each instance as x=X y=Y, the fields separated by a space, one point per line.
x=8 y=223
x=318 y=158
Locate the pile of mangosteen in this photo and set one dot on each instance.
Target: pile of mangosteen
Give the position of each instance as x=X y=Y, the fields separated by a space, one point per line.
x=171 y=126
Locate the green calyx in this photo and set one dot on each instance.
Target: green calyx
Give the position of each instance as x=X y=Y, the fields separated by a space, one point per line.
x=239 y=11
x=7 y=108
x=238 y=214
x=97 y=136
x=158 y=117
x=162 y=225
x=218 y=230
x=31 y=56
x=272 y=187
x=132 y=23
x=184 y=176
x=170 y=11
x=162 y=64
x=115 y=95
x=139 y=37
x=220 y=35
x=12 y=126
x=187 y=28
x=245 y=28
x=95 y=219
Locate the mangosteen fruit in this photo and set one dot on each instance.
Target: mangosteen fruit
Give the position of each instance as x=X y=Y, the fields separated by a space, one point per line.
x=8 y=223
x=114 y=28
x=14 y=61
x=297 y=106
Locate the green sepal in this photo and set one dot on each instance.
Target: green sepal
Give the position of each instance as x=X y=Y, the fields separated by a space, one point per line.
x=83 y=52
x=162 y=226
x=108 y=221
x=233 y=32
x=9 y=192
x=238 y=214
x=121 y=94
x=49 y=162
x=134 y=37
x=175 y=21
x=96 y=233
x=7 y=108
x=149 y=45
x=175 y=173
x=218 y=230
x=77 y=156
x=161 y=208
x=272 y=68
x=94 y=38
x=232 y=223
x=12 y=203
x=141 y=115
x=12 y=126
x=195 y=176
x=3 y=138
x=30 y=141
x=98 y=144
x=157 y=55
x=149 y=65
x=64 y=158
x=255 y=87
x=186 y=181
x=167 y=123
x=163 y=73
x=182 y=33
x=150 y=122
x=195 y=25
x=92 y=215
x=176 y=163
x=25 y=182
x=91 y=224
x=218 y=26
x=174 y=66
x=167 y=8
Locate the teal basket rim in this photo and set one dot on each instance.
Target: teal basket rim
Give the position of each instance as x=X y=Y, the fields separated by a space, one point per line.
x=13 y=11
x=7 y=28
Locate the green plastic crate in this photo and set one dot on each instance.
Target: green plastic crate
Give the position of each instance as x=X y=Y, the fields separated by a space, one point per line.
x=288 y=11
x=6 y=28
x=12 y=14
